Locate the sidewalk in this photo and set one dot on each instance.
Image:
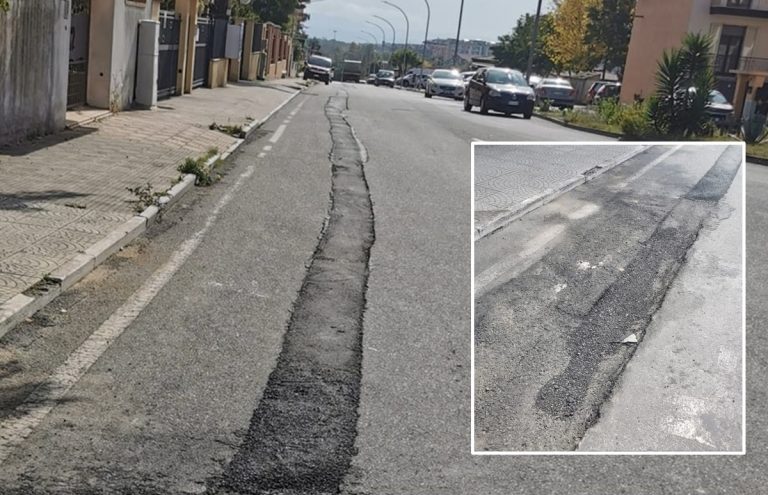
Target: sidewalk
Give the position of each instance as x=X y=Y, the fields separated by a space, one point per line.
x=64 y=193
x=510 y=181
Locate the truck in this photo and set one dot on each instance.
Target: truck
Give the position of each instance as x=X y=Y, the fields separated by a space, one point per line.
x=352 y=70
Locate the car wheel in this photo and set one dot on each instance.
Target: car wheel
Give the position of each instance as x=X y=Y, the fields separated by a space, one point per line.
x=427 y=95
x=483 y=106
x=467 y=106
x=507 y=114
x=527 y=115
x=327 y=82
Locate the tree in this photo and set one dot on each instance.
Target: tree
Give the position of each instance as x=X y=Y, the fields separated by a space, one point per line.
x=684 y=80
x=565 y=43
x=403 y=58
x=513 y=49
x=277 y=11
x=608 y=31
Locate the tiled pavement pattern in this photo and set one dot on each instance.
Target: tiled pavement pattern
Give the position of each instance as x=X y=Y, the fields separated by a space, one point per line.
x=507 y=175
x=62 y=193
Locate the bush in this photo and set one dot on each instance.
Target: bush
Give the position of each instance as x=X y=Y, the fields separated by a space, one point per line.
x=610 y=110
x=544 y=105
x=635 y=121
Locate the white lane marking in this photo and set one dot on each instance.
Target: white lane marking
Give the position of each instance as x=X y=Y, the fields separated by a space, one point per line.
x=298 y=107
x=646 y=168
x=287 y=121
x=47 y=395
x=278 y=134
x=261 y=154
x=267 y=147
x=518 y=262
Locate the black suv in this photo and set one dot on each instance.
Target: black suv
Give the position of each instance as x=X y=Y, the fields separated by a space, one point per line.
x=501 y=90
x=319 y=68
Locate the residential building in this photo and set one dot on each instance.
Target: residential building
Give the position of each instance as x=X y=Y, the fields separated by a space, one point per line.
x=443 y=49
x=739 y=32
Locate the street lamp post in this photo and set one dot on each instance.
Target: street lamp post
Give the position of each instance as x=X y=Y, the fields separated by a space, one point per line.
x=393 y=30
x=376 y=41
x=458 y=34
x=534 y=35
x=383 y=35
x=424 y=50
x=407 y=30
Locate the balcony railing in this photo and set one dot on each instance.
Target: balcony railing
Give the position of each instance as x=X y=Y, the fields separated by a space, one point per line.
x=742 y=8
x=724 y=65
x=753 y=64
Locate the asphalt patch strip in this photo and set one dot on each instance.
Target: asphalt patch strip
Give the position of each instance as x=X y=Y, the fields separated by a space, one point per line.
x=301 y=436
x=628 y=305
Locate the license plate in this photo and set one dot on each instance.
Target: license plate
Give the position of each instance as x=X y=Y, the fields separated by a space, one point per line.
x=513 y=102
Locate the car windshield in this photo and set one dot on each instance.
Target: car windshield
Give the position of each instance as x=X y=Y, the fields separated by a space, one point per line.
x=556 y=82
x=505 y=77
x=321 y=61
x=717 y=97
x=445 y=74
x=385 y=73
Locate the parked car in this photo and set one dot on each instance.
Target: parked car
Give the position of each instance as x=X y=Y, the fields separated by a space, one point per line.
x=558 y=92
x=371 y=78
x=414 y=80
x=719 y=108
x=320 y=68
x=594 y=88
x=501 y=90
x=607 y=91
x=385 y=78
x=534 y=80
x=444 y=82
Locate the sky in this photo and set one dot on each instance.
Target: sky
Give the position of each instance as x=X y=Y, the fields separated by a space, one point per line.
x=482 y=19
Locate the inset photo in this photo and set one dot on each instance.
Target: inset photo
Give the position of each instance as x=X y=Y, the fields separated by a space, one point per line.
x=608 y=298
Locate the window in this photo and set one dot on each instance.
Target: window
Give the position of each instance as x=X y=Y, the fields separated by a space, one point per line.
x=729 y=49
x=743 y=4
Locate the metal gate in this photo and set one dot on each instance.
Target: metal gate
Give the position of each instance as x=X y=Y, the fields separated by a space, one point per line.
x=203 y=50
x=78 y=53
x=168 y=58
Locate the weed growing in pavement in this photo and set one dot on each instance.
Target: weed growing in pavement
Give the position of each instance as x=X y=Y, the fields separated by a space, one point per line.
x=232 y=130
x=198 y=167
x=544 y=105
x=146 y=196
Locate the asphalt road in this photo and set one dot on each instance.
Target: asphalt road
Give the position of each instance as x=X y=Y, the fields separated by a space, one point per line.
x=169 y=406
x=590 y=269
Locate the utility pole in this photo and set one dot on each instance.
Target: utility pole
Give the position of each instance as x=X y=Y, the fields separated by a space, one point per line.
x=534 y=35
x=458 y=34
x=383 y=34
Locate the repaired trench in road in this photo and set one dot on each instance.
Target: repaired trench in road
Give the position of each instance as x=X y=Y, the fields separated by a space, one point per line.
x=575 y=329
x=301 y=436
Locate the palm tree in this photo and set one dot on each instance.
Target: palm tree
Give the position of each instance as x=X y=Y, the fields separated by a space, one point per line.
x=684 y=80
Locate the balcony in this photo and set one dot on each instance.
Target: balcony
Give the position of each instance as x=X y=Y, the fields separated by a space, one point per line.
x=741 y=8
x=724 y=65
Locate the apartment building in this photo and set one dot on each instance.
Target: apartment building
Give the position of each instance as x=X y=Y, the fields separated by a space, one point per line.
x=739 y=31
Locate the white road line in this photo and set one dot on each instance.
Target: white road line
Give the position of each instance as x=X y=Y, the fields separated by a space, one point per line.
x=267 y=148
x=261 y=154
x=48 y=394
x=298 y=107
x=278 y=134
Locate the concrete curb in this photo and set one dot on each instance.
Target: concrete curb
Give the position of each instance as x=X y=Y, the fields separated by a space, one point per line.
x=548 y=196
x=580 y=128
x=757 y=160
x=22 y=306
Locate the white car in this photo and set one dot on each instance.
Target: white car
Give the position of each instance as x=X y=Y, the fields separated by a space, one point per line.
x=444 y=82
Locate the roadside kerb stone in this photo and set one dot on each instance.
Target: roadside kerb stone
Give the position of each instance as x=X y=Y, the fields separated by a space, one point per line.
x=22 y=306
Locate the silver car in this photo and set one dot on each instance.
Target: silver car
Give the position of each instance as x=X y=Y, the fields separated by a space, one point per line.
x=558 y=92
x=444 y=82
